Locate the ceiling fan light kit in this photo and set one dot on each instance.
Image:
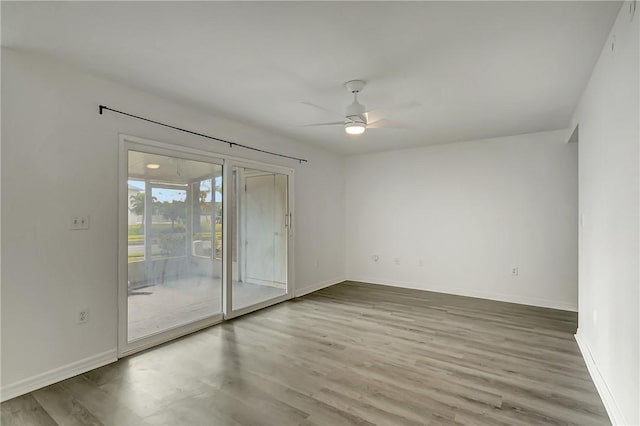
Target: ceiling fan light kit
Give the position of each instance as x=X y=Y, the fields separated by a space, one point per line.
x=355 y=128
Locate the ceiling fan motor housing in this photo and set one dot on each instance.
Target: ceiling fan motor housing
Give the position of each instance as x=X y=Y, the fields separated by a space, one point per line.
x=356 y=111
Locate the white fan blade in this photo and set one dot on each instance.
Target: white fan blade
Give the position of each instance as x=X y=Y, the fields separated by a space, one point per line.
x=321 y=108
x=383 y=123
x=406 y=105
x=335 y=123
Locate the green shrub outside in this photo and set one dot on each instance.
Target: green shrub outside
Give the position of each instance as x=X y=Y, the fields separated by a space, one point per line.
x=172 y=241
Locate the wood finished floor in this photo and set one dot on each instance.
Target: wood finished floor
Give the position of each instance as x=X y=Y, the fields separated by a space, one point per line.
x=349 y=354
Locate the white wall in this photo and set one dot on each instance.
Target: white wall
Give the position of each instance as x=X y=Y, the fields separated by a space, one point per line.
x=59 y=158
x=470 y=212
x=608 y=116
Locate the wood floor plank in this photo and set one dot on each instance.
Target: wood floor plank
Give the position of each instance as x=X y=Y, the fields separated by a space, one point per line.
x=64 y=408
x=24 y=411
x=351 y=354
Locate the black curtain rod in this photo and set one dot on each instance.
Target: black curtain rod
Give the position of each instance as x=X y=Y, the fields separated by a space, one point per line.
x=231 y=144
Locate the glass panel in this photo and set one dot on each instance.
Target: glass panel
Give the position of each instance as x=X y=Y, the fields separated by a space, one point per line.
x=259 y=236
x=136 y=197
x=175 y=223
x=168 y=231
x=207 y=214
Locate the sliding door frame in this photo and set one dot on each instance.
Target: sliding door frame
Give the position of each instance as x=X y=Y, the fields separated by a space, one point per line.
x=127 y=143
x=229 y=312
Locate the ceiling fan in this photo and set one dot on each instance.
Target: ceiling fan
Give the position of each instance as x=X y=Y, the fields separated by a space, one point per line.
x=356 y=119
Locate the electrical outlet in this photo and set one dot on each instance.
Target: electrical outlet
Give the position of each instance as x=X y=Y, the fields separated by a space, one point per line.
x=83 y=316
x=79 y=222
x=375 y=257
x=515 y=271
x=420 y=262
x=397 y=261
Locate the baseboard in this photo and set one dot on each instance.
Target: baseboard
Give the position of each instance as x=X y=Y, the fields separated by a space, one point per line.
x=318 y=286
x=521 y=300
x=615 y=415
x=57 y=374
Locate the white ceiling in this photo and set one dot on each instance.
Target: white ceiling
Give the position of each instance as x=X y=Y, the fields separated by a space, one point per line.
x=478 y=69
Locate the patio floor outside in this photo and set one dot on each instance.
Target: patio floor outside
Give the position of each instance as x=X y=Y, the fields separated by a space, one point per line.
x=156 y=308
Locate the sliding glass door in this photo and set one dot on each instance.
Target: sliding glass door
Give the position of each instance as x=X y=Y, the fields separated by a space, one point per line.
x=259 y=238
x=178 y=271
x=174 y=245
